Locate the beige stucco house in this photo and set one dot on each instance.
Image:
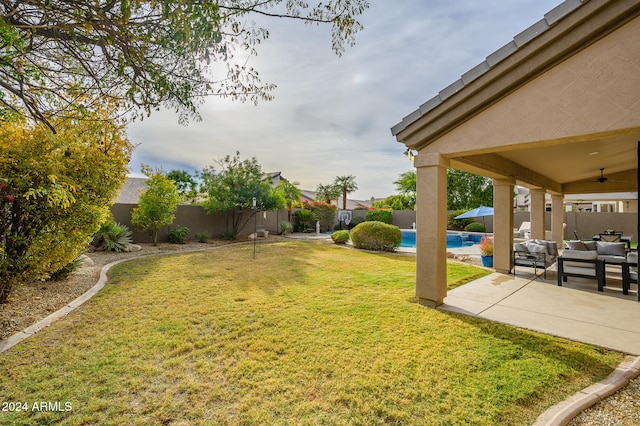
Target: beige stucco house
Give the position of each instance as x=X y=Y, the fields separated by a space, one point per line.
x=546 y=111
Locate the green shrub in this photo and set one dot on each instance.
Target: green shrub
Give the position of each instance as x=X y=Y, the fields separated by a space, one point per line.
x=305 y=218
x=179 y=234
x=374 y=235
x=229 y=235
x=340 y=237
x=65 y=271
x=202 y=237
x=356 y=221
x=325 y=213
x=380 y=215
x=475 y=227
x=113 y=236
x=285 y=227
x=457 y=224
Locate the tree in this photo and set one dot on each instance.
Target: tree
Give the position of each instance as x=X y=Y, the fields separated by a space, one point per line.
x=327 y=193
x=157 y=205
x=61 y=56
x=231 y=190
x=464 y=190
x=467 y=191
x=325 y=213
x=184 y=182
x=55 y=192
x=291 y=195
x=406 y=185
x=346 y=184
x=396 y=202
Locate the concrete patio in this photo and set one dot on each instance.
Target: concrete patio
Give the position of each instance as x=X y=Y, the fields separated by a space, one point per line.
x=575 y=311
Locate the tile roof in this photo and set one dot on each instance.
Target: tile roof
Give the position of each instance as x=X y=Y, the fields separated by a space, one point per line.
x=550 y=18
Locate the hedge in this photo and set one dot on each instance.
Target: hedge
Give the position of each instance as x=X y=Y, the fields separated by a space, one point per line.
x=375 y=235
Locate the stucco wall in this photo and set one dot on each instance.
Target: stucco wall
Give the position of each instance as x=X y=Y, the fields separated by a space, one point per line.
x=197 y=220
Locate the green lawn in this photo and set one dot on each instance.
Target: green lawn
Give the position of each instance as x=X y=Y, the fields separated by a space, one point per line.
x=307 y=333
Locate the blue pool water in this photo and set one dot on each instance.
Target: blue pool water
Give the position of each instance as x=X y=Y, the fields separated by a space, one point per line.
x=454 y=239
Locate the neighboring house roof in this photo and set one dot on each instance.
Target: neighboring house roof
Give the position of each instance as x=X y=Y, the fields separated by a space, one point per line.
x=274 y=177
x=131 y=190
x=310 y=196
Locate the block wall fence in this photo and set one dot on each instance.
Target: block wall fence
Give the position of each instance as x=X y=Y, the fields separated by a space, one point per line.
x=198 y=220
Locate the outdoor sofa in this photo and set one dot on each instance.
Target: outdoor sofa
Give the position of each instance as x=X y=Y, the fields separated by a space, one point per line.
x=535 y=254
x=588 y=259
x=630 y=273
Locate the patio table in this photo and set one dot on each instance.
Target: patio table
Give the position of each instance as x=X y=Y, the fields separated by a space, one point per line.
x=624 y=239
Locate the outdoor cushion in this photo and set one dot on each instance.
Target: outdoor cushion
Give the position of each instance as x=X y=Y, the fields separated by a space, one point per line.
x=611 y=249
x=580 y=267
x=538 y=248
x=591 y=245
x=580 y=254
x=521 y=247
x=552 y=247
x=576 y=245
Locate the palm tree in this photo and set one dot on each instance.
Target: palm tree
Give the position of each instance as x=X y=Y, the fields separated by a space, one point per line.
x=291 y=195
x=327 y=193
x=347 y=184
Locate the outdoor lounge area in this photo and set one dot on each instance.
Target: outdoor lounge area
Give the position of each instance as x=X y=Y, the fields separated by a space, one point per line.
x=554 y=110
x=576 y=310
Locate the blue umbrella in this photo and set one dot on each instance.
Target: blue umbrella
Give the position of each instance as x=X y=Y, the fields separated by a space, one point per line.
x=481 y=211
x=477 y=212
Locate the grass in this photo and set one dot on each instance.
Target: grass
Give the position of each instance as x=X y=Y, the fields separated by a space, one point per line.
x=305 y=334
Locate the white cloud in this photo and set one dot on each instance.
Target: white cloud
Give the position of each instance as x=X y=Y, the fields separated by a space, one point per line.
x=331 y=116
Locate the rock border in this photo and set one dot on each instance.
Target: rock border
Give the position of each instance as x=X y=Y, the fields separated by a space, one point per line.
x=563 y=412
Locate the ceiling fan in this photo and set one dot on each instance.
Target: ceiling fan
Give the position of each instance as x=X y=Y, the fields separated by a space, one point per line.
x=602 y=179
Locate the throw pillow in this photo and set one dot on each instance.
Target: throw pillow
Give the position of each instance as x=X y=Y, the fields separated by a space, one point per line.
x=576 y=245
x=611 y=249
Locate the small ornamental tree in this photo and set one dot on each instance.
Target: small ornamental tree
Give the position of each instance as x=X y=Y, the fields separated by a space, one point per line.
x=291 y=195
x=157 y=205
x=55 y=192
x=185 y=183
x=232 y=188
x=324 y=213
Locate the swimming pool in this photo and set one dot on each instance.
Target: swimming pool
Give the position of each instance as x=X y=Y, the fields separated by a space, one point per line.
x=454 y=239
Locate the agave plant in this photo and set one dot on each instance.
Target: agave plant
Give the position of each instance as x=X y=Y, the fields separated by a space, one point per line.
x=114 y=236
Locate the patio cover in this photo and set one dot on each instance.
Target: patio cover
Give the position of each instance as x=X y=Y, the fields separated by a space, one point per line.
x=546 y=111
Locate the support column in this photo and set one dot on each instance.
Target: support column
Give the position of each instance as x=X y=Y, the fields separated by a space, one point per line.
x=503 y=225
x=557 y=218
x=538 y=216
x=431 y=224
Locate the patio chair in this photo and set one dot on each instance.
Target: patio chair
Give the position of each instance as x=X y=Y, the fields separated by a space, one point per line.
x=584 y=264
x=535 y=254
x=630 y=273
x=611 y=238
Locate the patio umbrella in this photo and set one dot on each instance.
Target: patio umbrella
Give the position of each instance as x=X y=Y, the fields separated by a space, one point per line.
x=481 y=211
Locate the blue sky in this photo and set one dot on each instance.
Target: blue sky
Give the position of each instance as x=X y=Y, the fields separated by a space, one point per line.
x=331 y=115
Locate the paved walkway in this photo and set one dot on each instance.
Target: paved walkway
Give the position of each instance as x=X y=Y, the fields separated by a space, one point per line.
x=575 y=311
